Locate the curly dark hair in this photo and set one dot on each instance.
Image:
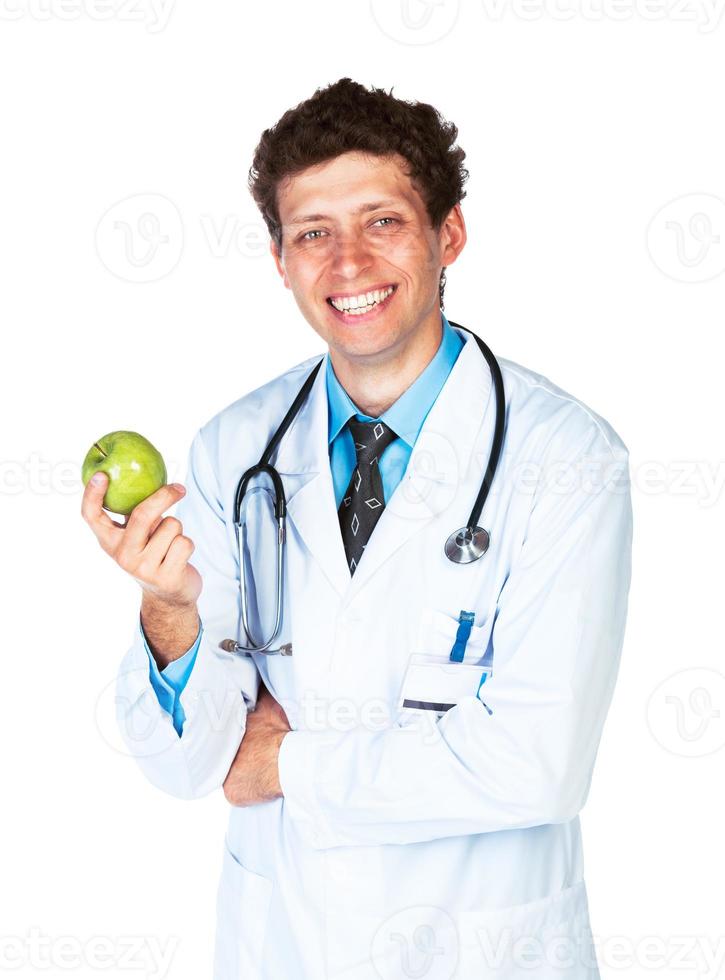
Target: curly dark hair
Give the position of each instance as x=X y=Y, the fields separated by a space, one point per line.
x=344 y=117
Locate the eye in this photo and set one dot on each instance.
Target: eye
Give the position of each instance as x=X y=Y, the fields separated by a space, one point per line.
x=394 y=220
x=313 y=231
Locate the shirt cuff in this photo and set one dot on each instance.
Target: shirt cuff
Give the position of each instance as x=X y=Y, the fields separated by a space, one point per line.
x=170 y=682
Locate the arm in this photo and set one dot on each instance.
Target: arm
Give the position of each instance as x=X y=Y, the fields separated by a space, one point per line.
x=191 y=758
x=557 y=640
x=254 y=775
x=168 y=677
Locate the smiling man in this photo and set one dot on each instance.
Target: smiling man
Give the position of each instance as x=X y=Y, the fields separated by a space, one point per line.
x=405 y=788
x=364 y=263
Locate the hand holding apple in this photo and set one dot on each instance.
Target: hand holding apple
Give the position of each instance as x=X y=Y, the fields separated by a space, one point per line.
x=150 y=547
x=135 y=469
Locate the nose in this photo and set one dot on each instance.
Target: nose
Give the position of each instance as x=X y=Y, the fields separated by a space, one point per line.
x=351 y=256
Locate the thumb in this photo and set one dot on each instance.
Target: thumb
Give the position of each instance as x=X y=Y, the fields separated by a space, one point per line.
x=99 y=479
x=97 y=486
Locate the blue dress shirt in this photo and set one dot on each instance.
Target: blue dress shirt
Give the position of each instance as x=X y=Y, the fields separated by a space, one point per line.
x=405 y=417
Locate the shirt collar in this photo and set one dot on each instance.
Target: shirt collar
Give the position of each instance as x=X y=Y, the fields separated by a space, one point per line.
x=406 y=415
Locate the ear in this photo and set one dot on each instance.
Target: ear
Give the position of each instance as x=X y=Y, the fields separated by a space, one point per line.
x=278 y=262
x=452 y=236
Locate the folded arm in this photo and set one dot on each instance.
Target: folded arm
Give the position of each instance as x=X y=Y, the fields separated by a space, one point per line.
x=557 y=640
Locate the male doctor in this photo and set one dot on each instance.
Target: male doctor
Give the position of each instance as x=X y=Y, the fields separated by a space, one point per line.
x=366 y=840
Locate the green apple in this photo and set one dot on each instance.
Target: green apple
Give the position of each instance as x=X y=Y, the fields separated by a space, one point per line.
x=135 y=469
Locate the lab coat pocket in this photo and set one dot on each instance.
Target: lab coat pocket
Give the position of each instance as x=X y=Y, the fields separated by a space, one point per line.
x=437 y=633
x=243 y=900
x=549 y=938
x=433 y=683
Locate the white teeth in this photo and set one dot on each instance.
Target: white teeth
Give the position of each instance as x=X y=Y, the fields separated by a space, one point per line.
x=362 y=303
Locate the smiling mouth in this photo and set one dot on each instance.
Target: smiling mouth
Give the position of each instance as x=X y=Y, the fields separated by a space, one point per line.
x=363 y=303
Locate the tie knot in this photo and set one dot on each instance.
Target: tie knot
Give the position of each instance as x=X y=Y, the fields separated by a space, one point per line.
x=370 y=438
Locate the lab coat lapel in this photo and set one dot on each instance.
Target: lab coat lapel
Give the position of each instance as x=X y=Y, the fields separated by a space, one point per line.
x=303 y=462
x=441 y=461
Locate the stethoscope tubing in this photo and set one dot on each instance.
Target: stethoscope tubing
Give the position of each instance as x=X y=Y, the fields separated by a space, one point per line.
x=463 y=541
x=498 y=432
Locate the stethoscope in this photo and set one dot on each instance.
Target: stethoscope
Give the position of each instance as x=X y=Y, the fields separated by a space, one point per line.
x=466 y=545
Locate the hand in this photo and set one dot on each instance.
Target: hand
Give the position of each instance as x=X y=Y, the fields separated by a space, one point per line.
x=254 y=774
x=150 y=548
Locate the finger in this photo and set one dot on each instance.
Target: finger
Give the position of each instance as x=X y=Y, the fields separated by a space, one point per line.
x=160 y=540
x=180 y=550
x=106 y=530
x=153 y=526
x=146 y=515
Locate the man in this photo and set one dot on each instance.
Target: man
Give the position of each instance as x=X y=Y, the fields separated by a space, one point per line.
x=364 y=840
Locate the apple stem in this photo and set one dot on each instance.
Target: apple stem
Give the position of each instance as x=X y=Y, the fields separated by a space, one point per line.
x=100 y=450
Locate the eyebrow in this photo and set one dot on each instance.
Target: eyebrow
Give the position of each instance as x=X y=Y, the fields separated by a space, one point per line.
x=362 y=209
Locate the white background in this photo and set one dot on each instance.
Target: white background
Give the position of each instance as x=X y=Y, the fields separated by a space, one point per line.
x=581 y=124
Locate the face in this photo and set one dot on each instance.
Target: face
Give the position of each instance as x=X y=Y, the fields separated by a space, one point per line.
x=360 y=255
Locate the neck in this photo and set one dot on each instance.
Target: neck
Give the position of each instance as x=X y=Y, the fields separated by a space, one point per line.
x=375 y=384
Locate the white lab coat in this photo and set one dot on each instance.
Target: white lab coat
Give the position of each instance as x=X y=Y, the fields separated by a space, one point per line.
x=402 y=848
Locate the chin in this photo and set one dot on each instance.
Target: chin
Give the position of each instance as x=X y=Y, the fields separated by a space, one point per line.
x=363 y=345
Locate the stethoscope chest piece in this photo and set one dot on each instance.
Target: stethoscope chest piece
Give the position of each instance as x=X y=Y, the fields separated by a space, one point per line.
x=467 y=544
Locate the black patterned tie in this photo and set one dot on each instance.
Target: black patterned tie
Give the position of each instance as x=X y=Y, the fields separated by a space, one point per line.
x=363 y=501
